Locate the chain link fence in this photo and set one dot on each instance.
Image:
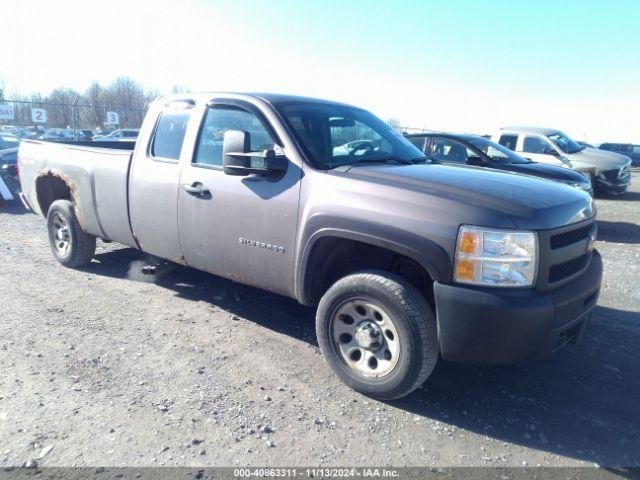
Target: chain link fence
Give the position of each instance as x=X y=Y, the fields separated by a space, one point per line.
x=22 y=113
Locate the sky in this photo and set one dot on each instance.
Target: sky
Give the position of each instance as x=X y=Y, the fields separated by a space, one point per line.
x=463 y=66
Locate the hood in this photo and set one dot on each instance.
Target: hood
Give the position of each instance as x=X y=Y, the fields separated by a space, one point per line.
x=601 y=159
x=530 y=203
x=550 y=172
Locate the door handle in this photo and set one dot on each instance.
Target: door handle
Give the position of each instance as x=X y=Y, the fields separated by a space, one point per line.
x=196 y=188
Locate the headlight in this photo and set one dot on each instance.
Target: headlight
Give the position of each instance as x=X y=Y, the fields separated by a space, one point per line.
x=584 y=186
x=496 y=258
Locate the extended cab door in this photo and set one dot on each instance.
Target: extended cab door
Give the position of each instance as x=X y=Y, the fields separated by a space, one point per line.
x=155 y=178
x=239 y=227
x=538 y=148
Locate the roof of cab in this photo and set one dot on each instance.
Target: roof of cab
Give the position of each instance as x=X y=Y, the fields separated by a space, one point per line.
x=525 y=129
x=267 y=97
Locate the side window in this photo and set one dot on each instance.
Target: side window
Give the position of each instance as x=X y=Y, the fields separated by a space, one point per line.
x=535 y=145
x=218 y=120
x=169 y=134
x=445 y=150
x=509 y=141
x=636 y=149
x=418 y=142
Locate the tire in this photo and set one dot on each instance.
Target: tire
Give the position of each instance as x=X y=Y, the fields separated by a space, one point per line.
x=80 y=246
x=414 y=323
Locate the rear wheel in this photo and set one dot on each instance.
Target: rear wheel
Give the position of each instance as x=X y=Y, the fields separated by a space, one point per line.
x=378 y=334
x=71 y=245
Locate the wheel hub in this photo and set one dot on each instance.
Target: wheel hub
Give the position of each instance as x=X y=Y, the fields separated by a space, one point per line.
x=365 y=337
x=369 y=336
x=63 y=233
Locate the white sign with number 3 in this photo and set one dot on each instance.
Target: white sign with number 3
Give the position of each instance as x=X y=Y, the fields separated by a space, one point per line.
x=38 y=115
x=112 y=118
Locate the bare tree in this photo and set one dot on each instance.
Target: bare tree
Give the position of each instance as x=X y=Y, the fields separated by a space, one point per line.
x=394 y=123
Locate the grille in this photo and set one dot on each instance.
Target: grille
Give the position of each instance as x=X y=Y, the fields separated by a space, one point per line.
x=623 y=171
x=566 y=269
x=611 y=174
x=567 y=238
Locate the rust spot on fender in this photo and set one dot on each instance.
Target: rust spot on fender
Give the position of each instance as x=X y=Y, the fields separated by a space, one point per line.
x=73 y=190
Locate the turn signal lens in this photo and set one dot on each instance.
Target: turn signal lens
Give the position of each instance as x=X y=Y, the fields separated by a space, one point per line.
x=465 y=270
x=469 y=242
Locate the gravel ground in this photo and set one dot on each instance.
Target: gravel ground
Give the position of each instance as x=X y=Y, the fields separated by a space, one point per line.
x=97 y=368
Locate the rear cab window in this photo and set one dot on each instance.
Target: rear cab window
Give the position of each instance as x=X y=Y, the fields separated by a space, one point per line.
x=508 y=140
x=169 y=133
x=418 y=142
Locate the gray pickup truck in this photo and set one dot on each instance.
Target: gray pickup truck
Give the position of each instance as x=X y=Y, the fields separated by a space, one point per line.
x=406 y=260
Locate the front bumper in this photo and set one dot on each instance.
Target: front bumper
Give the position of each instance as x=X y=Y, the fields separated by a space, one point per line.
x=617 y=185
x=502 y=326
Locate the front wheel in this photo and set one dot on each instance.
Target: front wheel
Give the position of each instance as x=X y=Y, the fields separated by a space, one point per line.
x=71 y=245
x=378 y=334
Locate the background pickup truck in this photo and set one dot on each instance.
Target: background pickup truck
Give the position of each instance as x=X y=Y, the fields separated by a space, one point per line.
x=323 y=202
x=609 y=172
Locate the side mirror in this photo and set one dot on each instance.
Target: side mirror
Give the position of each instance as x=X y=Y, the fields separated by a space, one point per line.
x=475 y=161
x=238 y=159
x=550 y=151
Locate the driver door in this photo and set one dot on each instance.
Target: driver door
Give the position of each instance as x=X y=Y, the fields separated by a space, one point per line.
x=238 y=227
x=534 y=148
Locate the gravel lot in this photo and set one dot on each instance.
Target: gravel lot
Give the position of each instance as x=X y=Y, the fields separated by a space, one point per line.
x=97 y=368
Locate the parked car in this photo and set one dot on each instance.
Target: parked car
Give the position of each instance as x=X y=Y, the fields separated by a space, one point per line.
x=628 y=149
x=85 y=134
x=58 y=135
x=609 y=171
x=33 y=132
x=406 y=260
x=14 y=130
x=480 y=152
x=9 y=161
x=8 y=141
x=124 y=135
x=8 y=173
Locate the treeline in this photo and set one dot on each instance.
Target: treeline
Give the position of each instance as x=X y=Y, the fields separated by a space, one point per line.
x=66 y=106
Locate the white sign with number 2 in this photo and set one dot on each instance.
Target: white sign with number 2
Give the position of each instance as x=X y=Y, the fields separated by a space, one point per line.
x=38 y=115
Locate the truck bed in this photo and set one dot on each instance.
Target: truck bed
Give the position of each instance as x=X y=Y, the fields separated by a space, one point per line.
x=95 y=176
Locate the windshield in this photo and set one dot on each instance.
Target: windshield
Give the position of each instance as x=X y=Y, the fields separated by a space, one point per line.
x=564 y=143
x=496 y=151
x=335 y=135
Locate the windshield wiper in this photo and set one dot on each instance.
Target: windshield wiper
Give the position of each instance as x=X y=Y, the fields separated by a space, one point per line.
x=375 y=160
x=424 y=159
